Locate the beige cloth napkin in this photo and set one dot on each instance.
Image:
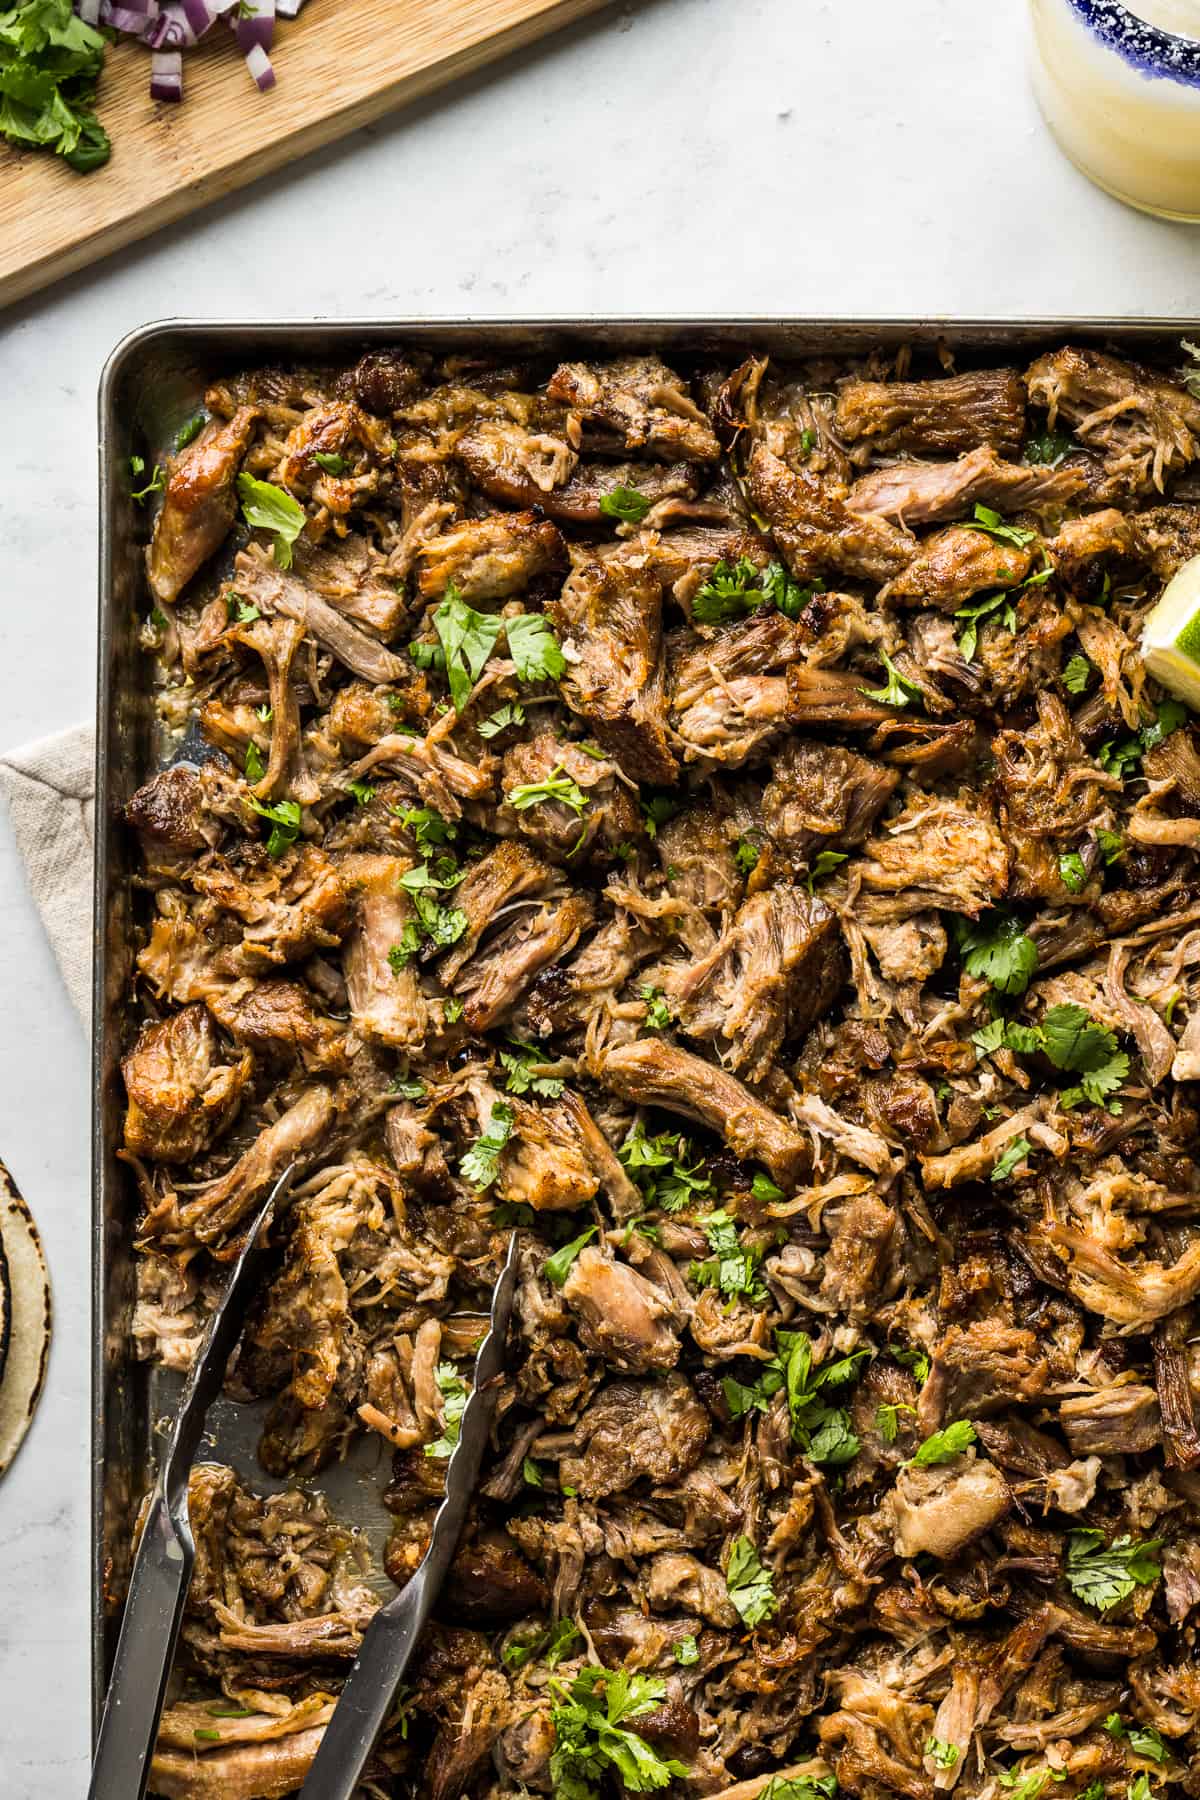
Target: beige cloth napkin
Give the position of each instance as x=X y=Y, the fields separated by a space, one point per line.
x=49 y=790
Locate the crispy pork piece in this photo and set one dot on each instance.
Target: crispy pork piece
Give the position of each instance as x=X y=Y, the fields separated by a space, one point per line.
x=352 y=576
x=771 y=974
x=815 y=529
x=938 y=853
x=623 y=1317
x=1120 y=1420
x=383 y=381
x=589 y=808
x=924 y=493
x=697 y=857
x=181 y=1096
x=822 y=797
x=491 y=558
x=169 y=816
x=936 y=1511
x=954 y=564
x=736 y=722
x=382 y=982
x=494 y=978
x=635 y=1430
x=651 y=1073
x=261 y=584
x=199 y=504
x=933 y=418
x=817 y=696
x=1146 y=428
x=537 y=470
x=609 y=622
x=215 y=1212
x=635 y=403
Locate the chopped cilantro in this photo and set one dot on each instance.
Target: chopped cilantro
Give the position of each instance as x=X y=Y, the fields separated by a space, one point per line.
x=1112 y=845
x=1014 y=1153
x=1077 y=674
x=748 y=1584
x=1102 y=1575
x=731 y=1269
x=467 y=639
x=627 y=504
x=531 y=1475
x=1048 y=447
x=363 y=791
x=428 y=827
x=658 y=1013
x=1074 y=1042
x=558 y=785
x=746 y=856
x=501 y=719
x=687 y=1652
x=1071 y=868
x=764 y=1189
x=481 y=1164
x=990 y=521
x=996 y=950
x=800 y=1787
x=826 y=862
x=534 y=648
x=284 y=818
x=452 y=1010
x=887 y=1420
x=137 y=464
x=944 y=1446
x=916 y=1360
x=454 y=1391
x=439 y=925
x=731 y=591
x=268 y=508
x=519 y=1063
x=659 y=1166
x=592 y=1738
x=256 y=768
x=898 y=689
x=189 y=431
x=330 y=461
x=940 y=1752
x=407 y=1090
x=656 y=810
x=1115 y=758
x=556 y=1268
x=1000 y=604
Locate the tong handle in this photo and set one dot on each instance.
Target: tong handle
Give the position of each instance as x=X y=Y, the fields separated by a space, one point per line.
x=370 y=1690
x=149 y=1629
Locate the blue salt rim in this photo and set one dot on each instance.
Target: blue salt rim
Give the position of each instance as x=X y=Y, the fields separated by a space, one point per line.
x=1157 y=53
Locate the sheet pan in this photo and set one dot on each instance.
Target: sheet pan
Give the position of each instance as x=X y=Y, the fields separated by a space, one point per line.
x=153 y=381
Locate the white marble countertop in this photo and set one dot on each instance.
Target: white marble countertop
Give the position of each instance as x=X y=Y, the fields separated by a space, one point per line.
x=685 y=156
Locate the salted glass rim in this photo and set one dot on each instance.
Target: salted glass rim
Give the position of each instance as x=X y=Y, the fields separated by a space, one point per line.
x=1165 y=55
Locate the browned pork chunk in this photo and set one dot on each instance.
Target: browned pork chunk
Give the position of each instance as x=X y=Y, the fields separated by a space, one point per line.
x=200 y=503
x=491 y=558
x=169 y=816
x=934 y=418
x=635 y=403
x=917 y=493
x=773 y=972
x=225 y=1201
x=815 y=529
x=936 y=1511
x=1147 y=428
x=180 y=1095
x=609 y=621
x=938 y=853
x=622 y=1317
x=382 y=983
x=822 y=797
x=956 y=563
x=634 y=1430
x=649 y=1073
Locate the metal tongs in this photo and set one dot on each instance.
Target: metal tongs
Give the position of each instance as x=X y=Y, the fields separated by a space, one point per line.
x=392 y=1635
x=162 y=1566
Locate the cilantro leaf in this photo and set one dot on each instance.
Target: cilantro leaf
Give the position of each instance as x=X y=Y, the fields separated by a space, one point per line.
x=268 y=508
x=627 y=504
x=658 y=1013
x=363 y=791
x=746 y=856
x=531 y=1475
x=996 y=950
x=989 y=521
x=1048 y=447
x=592 y=1738
x=800 y=1787
x=137 y=466
x=1102 y=1575
x=764 y=1189
x=887 y=1420
x=731 y=591
x=656 y=810
x=331 y=461
x=558 y=785
x=534 y=648
x=556 y=1268
x=731 y=1268
x=501 y=719
x=1072 y=1041
x=1073 y=872
x=284 y=817
x=190 y=430
x=981 y=610
x=826 y=862
x=1013 y=1154
x=519 y=1063
x=481 y=1164
x=428 y=827
x=748 y=1584
x=916 y=1360
x=256 y=768
x=944 y=1446
x=454 y=1392
x=898 y=690
x=943 y=1754
x=50 y=62
x=687 y=1652
x=1077 y=674
x=659 y=1166
x=467 y=639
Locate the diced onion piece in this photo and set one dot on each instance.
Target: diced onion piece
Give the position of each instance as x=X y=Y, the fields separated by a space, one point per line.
x=166 y=75
x=259 y=65
x=254 y=27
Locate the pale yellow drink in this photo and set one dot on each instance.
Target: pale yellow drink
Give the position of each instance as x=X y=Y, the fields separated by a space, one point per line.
x=1120 y=89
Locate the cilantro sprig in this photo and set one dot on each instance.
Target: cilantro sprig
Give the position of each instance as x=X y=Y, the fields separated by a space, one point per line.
x=944 y=1446
x=481 y=1163
x=998 y=951
x=667 y=1168
x=987 y=520
x=534 y=648
x=897 y=690
x=733 y=1267
x=593 y=1738
x=735 y=589
x=454 y=1392
x=558 y=785
x=1102 y=1574
x=266 y=507
x=749 y=1585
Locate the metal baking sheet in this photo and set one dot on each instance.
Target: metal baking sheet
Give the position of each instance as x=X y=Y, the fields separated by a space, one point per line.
x=153 y=382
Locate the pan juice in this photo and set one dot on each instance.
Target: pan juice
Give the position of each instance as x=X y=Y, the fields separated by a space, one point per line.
x=1119 y=87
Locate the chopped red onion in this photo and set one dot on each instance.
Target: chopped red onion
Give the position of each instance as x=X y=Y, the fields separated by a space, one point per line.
x=254 y=26
x=172 y=29
x=259 y=65
x=166 y=75
x=132 y=16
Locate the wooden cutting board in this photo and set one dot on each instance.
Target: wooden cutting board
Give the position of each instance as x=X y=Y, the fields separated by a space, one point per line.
x=341 y=64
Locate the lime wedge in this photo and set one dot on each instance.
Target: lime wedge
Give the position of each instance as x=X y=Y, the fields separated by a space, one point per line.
x=1171 y=635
